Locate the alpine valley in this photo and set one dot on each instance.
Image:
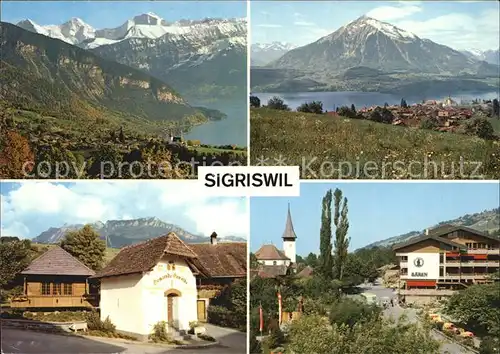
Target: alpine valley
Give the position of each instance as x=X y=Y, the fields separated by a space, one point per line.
x=200 y=59
x=374 y=56
x=120 y=233
x=82 y=96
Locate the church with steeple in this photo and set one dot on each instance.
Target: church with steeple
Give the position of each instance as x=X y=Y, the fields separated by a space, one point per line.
x=273 y=261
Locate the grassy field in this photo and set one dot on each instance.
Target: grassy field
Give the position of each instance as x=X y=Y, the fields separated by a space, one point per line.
x=328 y=147
x=495 y=122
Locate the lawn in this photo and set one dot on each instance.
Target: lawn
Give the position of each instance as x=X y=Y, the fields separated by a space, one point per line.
x=328 y=147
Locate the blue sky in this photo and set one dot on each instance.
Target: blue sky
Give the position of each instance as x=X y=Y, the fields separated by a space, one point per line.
x=459 y=24
x=104 y=14
x=30 y=207
x=376 y=210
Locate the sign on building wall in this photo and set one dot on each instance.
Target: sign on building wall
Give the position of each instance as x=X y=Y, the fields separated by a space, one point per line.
x=423 y=265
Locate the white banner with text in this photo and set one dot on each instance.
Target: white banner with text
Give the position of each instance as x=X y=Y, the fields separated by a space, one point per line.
x=252 y=181
x=423 y=265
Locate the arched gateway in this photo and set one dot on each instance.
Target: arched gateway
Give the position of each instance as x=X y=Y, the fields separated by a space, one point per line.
x=151 y=282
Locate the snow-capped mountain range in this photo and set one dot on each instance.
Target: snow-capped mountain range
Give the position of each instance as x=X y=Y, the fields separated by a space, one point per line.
x=491 y=56
x=200 y=58
x=147 y=26
x=378 y=45
x=264 y=53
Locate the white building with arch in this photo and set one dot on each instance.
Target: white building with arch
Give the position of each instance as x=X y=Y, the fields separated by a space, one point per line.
x=157 y=281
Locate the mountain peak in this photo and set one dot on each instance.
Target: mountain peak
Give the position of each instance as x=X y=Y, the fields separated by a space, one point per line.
x=383 y=27
x=149 y=18
x=363 y=17
x=26 y=21
x=76 y=20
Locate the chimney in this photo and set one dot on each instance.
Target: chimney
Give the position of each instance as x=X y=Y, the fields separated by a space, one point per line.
x=426 y=231
x=213 y=238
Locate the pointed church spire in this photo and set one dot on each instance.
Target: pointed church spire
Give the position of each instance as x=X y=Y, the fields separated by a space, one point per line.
x=289 y=233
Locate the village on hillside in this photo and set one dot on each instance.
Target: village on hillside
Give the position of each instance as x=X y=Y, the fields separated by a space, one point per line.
x=347 y=298
x=446 y=115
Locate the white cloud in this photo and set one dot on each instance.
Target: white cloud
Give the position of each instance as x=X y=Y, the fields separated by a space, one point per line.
x=33 y=207
x=408 y=2
x=304 y=24
x=269 y=25
x=209 y=218
x=387 y=13
x=458 y=30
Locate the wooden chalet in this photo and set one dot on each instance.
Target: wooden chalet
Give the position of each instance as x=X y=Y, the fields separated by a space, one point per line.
x=56 y=279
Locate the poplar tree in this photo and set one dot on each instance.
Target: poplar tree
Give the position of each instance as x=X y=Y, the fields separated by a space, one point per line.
x=341 y=240
x=326 y=261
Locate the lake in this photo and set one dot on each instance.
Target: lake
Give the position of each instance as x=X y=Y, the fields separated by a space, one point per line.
x=228 y=131
x=332 y=100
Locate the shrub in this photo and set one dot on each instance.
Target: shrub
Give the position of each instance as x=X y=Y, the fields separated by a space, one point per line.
x=276 y=337
x=206 y=337
x=93 y=320
x=160 y=333
x=255 y=346
x=469 y=342
x=489 y=345
x=382 y=115
x=231 y=306
x=311 y=107
x=480 y=127
x=278 y=104
x=429 y=123
x=254 y=102
x=350 y=312
x=345 y=111
x=94 y=323
x=221 y=316
x=193 y=324
x=108 y=326
x=314 y=307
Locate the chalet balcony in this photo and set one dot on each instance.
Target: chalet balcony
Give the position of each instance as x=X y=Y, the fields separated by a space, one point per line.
x=487 y=263
x=465 y=276
x=483 y=251
x=426 y=292
x=56 y=301
x=470 y=251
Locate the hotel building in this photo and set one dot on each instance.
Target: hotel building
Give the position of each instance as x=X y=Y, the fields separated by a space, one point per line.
x=444 y=260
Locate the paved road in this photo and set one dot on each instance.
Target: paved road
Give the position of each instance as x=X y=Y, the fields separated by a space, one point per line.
x=395 y=312
x=28 y=342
